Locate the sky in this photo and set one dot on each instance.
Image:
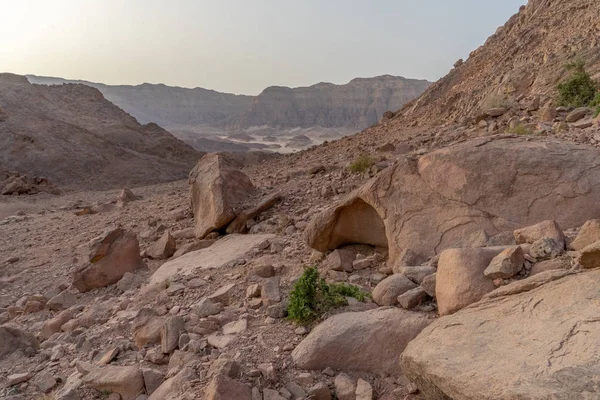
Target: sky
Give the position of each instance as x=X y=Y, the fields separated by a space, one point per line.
x=243 y=46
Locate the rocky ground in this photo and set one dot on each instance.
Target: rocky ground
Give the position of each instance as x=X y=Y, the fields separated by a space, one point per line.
x=224 y=324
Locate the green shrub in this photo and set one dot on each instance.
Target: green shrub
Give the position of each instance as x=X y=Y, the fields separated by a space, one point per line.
x=578 y=90
x=521 y=129
x=361 y=164
x=312 y=296
x=595 y=104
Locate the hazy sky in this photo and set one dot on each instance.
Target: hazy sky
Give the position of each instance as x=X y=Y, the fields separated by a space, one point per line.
x=243 y=46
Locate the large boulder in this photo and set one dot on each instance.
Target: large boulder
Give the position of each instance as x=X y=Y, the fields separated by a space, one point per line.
x=333 y=343
x=460 y=278
x=536 y=344
x=111 y=256
x=217 y=191
x=493 y=184
x=128 y=382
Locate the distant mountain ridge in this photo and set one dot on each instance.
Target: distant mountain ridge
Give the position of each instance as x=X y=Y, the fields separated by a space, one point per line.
x=357 y=104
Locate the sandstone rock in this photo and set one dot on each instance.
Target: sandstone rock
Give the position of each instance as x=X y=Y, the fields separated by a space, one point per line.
x=45 y=382
x=415 y=274
x=364 y=391
x=15 y=379
x=320 y=391
x=146 y=327
x=296 y=390
x=553 y=264
x=340 y=260
x=389 y=210
x=589 y=233
x=217 y=189
x=345 y=387
x=387 y=291
x=69 y=389
x=506 y=264
x=152 y=379
x=590 y=256
x=220 y=254
x=413 y=298
x=554 y=354
x=164 y=248
x=130 y=281
x=54 y=325
x=206 y=307
x=546 y=248
x=460 y=280
x=429 y=283
x=270 y=394
x=239 y=224
x=332 y=343
x=224 y=388
x=545 y=229
x=169 y=334
x=222 y=294
x=167 y=389
x=193 y=246
x=13 y=339
x=270 y=291
x=264 y=271
x=113 y=254
x=220 y=341
x=577 y=114
x=64 y=299
x=235 y=327
x=126 y=381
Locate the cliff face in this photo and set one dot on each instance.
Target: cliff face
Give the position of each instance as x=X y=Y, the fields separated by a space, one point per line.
x=357 y=104
x=524 y=59
x=168 y=106
x=73 y=136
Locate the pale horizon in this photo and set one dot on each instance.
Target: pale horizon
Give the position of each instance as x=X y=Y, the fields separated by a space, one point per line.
x=243 y=47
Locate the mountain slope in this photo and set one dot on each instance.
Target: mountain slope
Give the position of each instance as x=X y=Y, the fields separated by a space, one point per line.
x=357 y=104
x=73 y=136
x=524 y=59
x=168 y=106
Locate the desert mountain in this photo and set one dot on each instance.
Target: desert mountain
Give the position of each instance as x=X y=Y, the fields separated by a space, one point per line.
x=524 y=59
x=168 y=106
x=357 y=104
x=73 y=136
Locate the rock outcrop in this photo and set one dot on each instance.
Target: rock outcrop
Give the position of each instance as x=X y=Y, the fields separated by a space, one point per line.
x=333 y=343
x=486 y=351
x=494 y=184
x=112 y=255
x=217 y=191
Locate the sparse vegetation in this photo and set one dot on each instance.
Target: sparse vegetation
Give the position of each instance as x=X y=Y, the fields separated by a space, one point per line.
x=312 y=296
x=595 y=104
x=578 y=90
x=521 y=129
x=361 y=164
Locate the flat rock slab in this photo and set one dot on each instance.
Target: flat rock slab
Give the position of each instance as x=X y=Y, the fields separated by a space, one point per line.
x=538 y=344
x=225 y=250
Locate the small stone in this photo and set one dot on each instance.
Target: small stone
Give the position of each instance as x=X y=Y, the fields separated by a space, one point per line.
x=108 y=356
x=329 y=371
x=63 y=300
x=253 y=291
x=413 y=298
x=220 y=341
x=428 y=284
x=235 y=327
x=206 y=307
x=270 y=394
x=340 y=260
x=577 y=114
x=164 y=248
x=546 y=248
x=296 y=390
x=345 y=387
x=45 y=382
x=301 y=330
x=320 y=391
x=169 y=334
x=268 y=371
x=15 y=379
x=222 y=294
x=506 y=264
x=264 y=271
x=270 y=291
x=364 y=391
x=364 y=263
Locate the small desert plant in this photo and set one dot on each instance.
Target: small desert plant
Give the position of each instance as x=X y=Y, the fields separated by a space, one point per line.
x=595 y=104
x=578 y=90
x=312 y=296
x=521 y=129
x=361 y=164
